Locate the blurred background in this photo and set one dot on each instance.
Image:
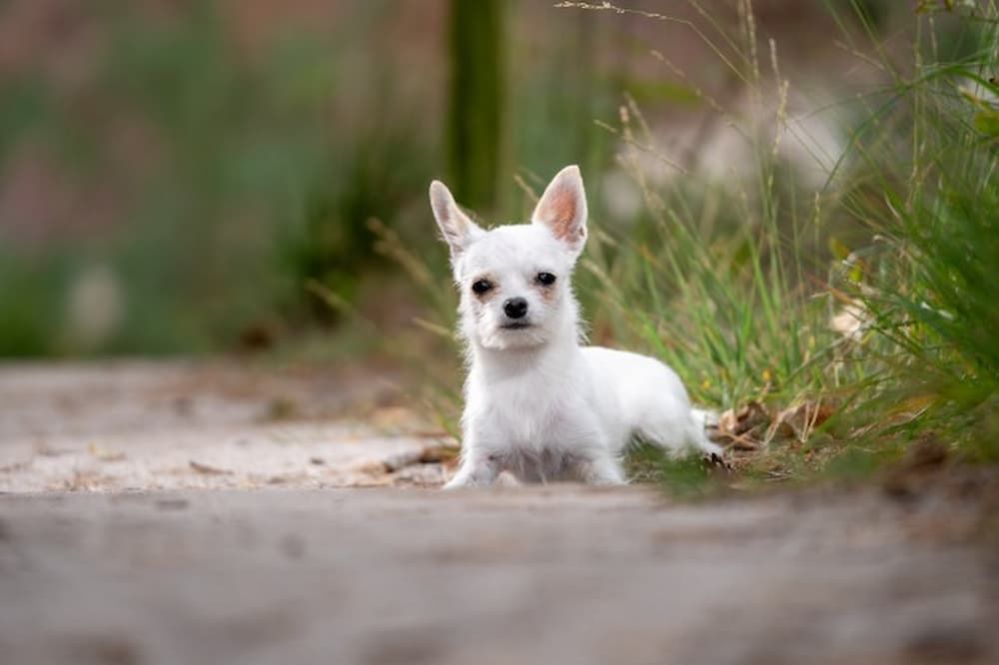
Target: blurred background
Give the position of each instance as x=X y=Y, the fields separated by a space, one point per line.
x=792 y=203
x=196 y=176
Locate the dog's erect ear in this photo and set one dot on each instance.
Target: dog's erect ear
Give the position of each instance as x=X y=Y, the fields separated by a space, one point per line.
x=562 y=208
x=459 y=231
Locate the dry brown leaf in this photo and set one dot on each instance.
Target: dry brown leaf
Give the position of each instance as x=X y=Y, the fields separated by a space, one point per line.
x=87 y=481
x=105 y=455
x=800 y=421
x=753 y=426
x=743 y=428
x=401 y=460
x=751 y=418
x=208 y=470
x=442 y=454
x=371 y=468
x=439 y=454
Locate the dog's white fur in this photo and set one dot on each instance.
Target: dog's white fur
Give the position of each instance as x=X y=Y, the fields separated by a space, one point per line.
x=537 y=404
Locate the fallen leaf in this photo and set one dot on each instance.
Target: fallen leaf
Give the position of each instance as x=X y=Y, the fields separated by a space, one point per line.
x=437 y=454
x=753 y=426
x=208 y=470
x=798 y=422
x=401 y=460
x=105 y=455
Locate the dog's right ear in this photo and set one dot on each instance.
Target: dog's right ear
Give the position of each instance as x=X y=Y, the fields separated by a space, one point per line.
x=459 y=231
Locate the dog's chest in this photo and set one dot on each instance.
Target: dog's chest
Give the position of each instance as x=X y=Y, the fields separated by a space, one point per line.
x=532 y=422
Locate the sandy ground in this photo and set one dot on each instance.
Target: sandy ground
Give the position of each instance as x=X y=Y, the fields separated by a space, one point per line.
x=148 y=426
x=206 y=514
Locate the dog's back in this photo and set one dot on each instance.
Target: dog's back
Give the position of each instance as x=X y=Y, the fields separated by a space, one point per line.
x=638 y=396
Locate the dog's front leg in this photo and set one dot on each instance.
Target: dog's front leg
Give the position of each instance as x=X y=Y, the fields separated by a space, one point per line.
x=599 y=469
x=476 y=470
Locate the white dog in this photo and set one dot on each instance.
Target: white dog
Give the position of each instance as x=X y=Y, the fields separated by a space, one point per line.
x=537 y=404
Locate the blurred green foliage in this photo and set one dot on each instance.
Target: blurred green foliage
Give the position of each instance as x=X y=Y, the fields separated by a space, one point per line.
x=242 y=175
x=205 y=183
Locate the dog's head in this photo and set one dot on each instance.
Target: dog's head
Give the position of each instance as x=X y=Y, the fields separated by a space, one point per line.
x=515 y=280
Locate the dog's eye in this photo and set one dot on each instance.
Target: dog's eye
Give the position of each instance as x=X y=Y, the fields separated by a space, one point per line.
x=545 y=278
x=481 y=286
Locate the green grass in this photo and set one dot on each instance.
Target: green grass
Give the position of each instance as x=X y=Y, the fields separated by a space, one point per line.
x=745 y=313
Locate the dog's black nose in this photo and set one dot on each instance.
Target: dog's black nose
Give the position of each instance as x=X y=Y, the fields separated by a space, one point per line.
x=515 y=308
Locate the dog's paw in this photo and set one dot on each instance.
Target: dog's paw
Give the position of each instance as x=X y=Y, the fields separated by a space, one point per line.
x=716 y=460
x=456 y=483
x=470 y=478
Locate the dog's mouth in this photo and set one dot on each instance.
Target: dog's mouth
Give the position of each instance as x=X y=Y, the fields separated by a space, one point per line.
x=515 y=325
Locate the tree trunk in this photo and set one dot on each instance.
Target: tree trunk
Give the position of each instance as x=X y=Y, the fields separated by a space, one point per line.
x=475 y=112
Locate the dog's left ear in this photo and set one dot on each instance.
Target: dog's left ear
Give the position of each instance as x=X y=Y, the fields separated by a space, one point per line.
x=562 y=209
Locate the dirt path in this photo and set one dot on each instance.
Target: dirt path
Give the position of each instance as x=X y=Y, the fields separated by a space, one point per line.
x=145 y=426
x=304 y=571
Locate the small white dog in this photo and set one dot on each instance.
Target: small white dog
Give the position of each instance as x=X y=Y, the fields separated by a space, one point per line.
x=537 y=404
